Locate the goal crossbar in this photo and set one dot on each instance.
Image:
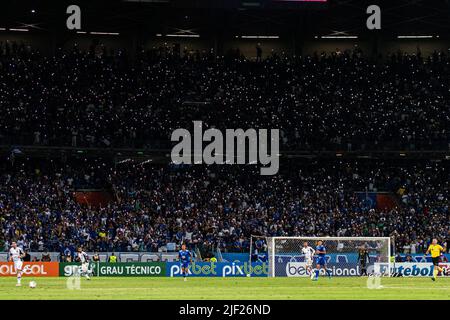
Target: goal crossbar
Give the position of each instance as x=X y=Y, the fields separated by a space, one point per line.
x=332 y=238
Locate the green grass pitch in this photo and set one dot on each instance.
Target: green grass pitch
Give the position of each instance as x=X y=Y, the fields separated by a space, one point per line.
x=227 y=288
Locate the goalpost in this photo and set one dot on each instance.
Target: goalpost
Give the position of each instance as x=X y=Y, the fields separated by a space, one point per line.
x=256 y=250
x=285 y=256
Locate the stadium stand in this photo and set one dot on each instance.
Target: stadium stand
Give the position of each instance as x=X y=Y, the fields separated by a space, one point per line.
x=341 y=101
x=218 y=206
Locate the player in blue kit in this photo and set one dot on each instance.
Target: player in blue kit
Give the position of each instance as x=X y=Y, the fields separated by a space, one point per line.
x=185 y=258
x=320 y=260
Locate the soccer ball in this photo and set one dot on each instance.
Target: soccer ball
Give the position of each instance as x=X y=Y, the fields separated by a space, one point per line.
x=32 y=284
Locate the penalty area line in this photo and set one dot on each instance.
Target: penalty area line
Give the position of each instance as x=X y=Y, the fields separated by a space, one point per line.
x=415 y=288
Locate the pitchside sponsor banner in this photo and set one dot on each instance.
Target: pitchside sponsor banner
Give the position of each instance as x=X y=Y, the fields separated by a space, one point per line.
x=121 y=256
x=424 y=269
x=128 y=269
x=331 y=257
x=228 y=257
x=68 y=269
x=32 y=269
x=446 y=268
x=298 y=269
x=219 y=269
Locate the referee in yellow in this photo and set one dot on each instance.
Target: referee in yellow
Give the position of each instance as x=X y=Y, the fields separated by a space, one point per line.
x=436 y=250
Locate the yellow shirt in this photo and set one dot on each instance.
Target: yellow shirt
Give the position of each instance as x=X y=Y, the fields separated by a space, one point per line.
x=435 y=250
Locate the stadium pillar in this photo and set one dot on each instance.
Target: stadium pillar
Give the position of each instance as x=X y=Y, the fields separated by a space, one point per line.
x=300 y=30
x=137 y=40
x=297 y=45
x=374 y=44
x=218 y=45
x=218 y=34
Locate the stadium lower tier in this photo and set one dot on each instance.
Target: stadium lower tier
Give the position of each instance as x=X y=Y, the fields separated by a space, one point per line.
x=52 y=206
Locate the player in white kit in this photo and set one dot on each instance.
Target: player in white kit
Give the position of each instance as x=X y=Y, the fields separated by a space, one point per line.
x=16 y=255
x=308 y=252
x=84 y=259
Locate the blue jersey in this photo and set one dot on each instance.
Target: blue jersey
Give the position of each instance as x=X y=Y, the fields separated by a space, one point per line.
x=185 y=256
x=321 y=256
x=321 y=248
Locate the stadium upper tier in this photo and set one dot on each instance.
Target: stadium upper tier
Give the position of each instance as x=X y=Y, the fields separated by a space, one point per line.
x=341 y=101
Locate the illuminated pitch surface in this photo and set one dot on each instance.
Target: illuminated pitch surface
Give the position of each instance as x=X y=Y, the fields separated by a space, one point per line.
x=227 y=288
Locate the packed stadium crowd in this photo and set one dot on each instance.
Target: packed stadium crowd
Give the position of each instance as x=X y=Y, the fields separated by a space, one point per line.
x=339 y=101
x=342 y=100
x=218 y=206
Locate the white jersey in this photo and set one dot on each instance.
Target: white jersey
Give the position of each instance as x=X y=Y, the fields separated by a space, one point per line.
x=15 y=254
x=308 y=252
x=84 y=258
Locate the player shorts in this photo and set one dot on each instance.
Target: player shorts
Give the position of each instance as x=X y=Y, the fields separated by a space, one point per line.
x=18 y=265
x=309 y=262
x=435 y=261
x=321 y=261
x=185 y=265
x=85 y=267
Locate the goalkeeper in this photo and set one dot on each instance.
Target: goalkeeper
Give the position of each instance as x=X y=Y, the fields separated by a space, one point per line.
x=363 y=259
x=436 y=250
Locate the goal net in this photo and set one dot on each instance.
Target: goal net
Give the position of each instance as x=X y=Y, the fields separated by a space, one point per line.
x=352 y=256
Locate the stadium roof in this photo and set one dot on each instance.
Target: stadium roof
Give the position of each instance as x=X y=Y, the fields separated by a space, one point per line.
x=337 y=17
